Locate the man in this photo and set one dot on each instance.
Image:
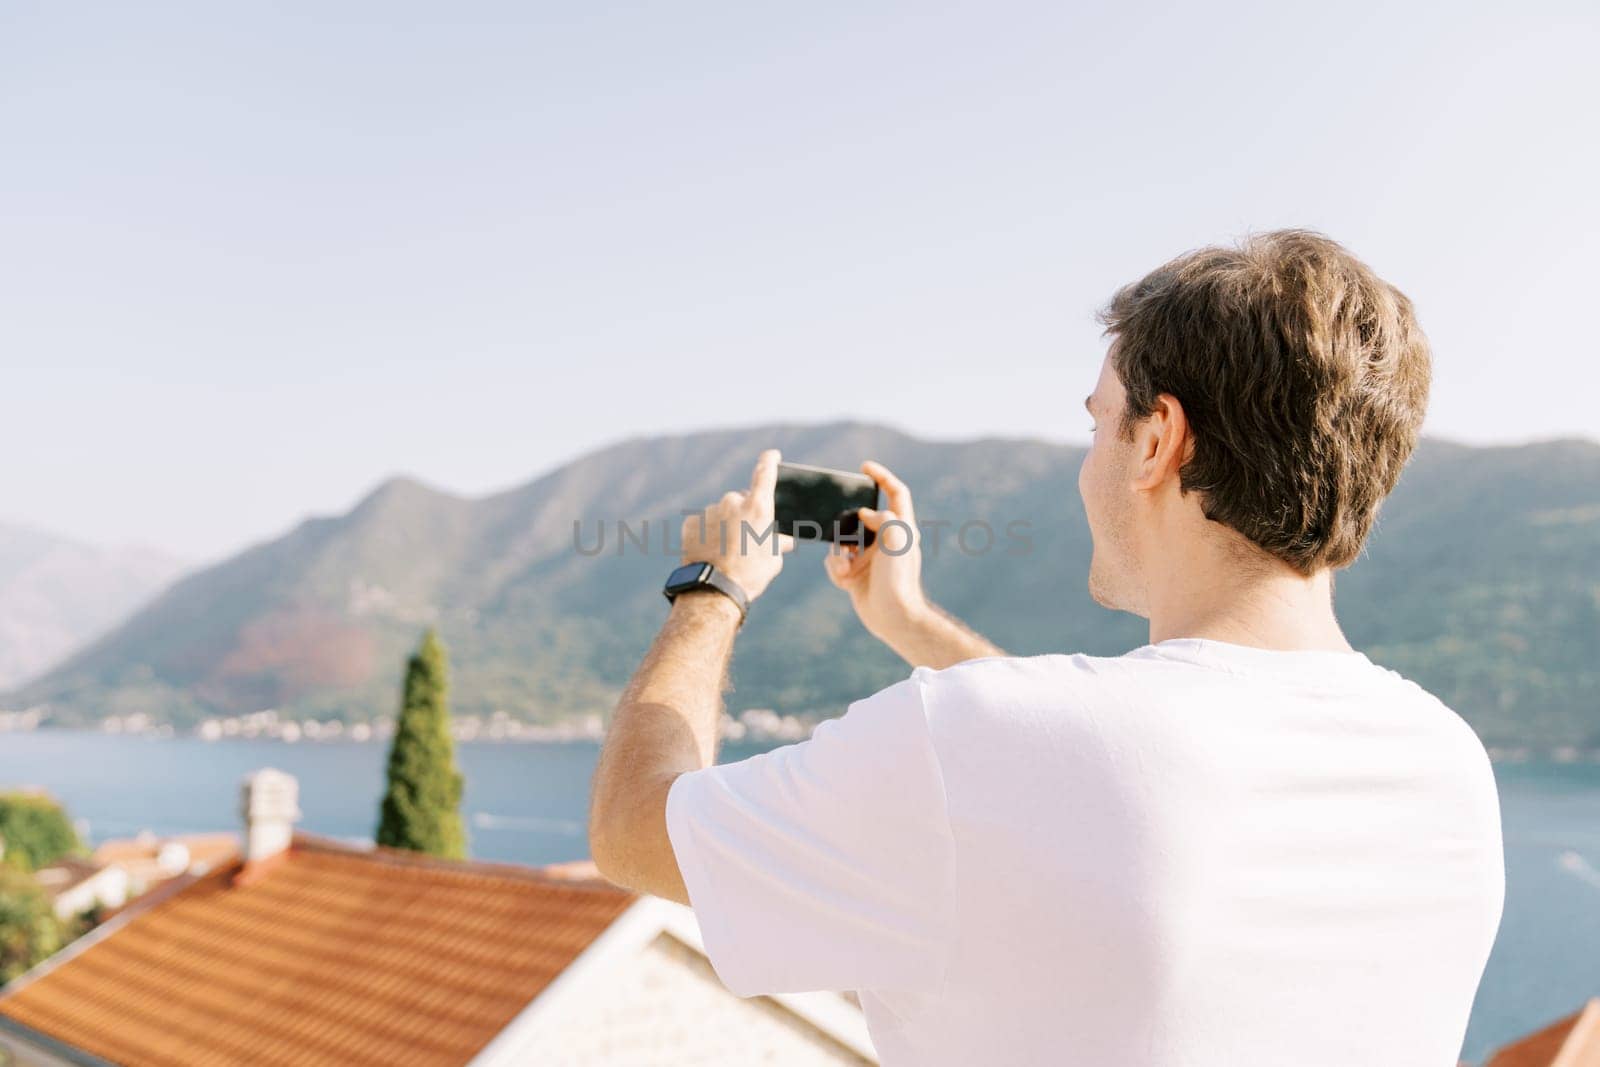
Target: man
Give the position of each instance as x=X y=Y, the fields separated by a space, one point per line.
x=1243 y=843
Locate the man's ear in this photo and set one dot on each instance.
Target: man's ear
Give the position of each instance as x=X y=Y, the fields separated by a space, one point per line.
x=1162 y=444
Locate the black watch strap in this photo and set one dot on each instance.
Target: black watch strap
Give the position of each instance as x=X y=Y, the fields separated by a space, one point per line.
x=692 y=577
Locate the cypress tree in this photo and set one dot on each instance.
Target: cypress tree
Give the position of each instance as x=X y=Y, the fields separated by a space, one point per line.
x=422 y=806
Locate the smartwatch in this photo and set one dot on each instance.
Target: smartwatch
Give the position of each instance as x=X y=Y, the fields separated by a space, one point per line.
x=693 y=576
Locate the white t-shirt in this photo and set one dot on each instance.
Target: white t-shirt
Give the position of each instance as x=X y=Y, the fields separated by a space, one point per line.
x=1197 y=853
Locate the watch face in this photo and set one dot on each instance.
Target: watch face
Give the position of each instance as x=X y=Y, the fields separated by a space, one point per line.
x=687 y=575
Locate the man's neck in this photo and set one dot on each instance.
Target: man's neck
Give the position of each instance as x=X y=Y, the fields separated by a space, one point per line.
x=1263 y=606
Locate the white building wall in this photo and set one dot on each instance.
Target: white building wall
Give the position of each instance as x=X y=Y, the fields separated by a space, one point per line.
x=665 y=1007
x=108 y=888
x=17 y=1052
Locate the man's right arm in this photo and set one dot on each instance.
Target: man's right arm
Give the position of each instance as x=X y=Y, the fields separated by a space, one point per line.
x=885 y=585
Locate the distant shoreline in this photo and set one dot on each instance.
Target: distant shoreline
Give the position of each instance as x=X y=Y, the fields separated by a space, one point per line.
x=756 y=726
x=769 y=729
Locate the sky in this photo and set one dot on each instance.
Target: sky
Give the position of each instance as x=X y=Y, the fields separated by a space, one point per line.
x=254 y=259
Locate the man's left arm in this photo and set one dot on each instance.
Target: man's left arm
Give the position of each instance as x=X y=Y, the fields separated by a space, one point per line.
x=666 y=722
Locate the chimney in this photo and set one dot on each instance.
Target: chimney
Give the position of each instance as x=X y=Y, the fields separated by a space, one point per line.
x=269 y=802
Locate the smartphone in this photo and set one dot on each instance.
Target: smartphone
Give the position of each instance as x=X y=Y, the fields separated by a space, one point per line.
x=818 y=504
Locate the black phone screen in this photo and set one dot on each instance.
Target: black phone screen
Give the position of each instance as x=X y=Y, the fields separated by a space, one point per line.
x=817 y=504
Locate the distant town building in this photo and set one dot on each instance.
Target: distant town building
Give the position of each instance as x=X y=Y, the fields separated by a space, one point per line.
x=76 y=885
x=304 y=950
x=1570 y=1042
x=149 y=860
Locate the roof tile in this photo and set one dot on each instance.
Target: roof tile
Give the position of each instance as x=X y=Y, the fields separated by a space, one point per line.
x=338 y=956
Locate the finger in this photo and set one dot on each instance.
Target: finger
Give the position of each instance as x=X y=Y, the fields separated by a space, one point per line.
x=785 y=543
x=889 y=526
x=837 y=564
x=895 y=492
x=845 y=568
x=846 y=559
x=873 y=519
x=764 y=481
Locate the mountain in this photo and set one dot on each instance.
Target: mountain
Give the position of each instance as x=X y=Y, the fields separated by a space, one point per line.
x=1480 y=582
x=56 y=594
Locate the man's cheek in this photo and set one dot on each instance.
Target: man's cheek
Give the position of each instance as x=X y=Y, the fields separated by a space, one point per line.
x=1089 y=484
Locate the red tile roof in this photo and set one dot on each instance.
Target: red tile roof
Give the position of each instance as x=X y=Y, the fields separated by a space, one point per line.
x=335 y=955
x=1570 y=1042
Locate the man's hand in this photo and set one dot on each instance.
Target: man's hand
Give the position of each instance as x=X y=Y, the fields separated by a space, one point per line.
x=666 y=723
x=737 y=536
x=884 y=580
x=885 y=584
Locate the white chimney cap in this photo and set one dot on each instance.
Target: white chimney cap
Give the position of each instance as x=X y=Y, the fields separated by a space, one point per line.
x=269 y=802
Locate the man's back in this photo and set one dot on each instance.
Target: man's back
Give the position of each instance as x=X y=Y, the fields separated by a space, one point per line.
x=1203 y=852
x=1198 y=853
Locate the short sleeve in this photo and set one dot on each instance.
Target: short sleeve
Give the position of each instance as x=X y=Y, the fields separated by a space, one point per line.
x=827 y=864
